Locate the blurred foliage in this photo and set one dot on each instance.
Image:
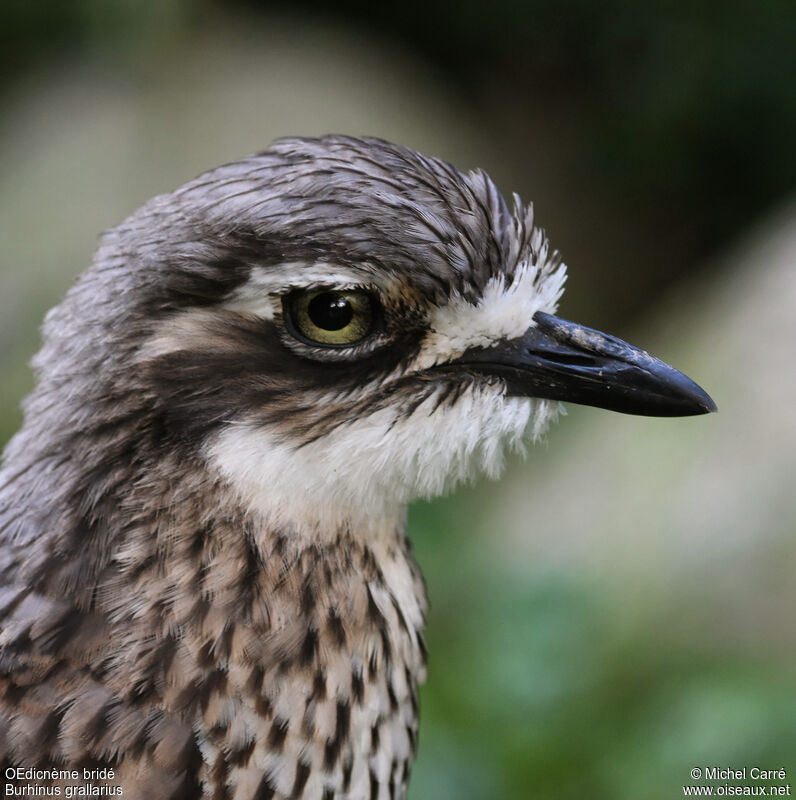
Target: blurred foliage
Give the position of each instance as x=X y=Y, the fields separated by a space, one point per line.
x=539 y=687
x=32 y=31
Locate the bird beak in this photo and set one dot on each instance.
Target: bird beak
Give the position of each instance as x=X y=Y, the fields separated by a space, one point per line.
x=562 y=360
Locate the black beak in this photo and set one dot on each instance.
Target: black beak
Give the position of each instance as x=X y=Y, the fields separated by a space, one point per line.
x=562 y=360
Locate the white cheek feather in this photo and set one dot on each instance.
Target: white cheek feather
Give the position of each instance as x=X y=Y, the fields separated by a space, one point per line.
x=504 y=311
x=363 y=473
x=185 y=330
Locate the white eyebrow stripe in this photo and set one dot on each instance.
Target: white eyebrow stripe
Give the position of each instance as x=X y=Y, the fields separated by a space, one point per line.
x=259 y=295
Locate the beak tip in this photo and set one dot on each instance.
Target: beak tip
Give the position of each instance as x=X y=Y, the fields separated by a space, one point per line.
x=709 y=405
x=699 y=400
x=687 y=398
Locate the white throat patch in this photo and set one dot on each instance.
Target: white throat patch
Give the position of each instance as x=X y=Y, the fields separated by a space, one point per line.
x=364 y=472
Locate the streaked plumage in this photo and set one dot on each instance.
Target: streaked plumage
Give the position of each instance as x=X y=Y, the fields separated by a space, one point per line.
x=205 y=578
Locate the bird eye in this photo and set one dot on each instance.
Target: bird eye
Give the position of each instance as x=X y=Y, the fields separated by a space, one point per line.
x=331 y=317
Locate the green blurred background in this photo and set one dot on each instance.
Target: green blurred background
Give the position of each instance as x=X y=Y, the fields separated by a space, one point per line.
x=620 y=607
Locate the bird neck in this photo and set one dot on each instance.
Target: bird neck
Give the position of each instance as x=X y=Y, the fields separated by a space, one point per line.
x=267 y=646
x=309 y=523
x=315 y=490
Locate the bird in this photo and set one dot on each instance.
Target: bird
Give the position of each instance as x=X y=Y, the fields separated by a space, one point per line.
x=207 y=590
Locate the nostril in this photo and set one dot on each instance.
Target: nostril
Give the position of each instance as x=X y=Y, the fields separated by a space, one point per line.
x=578 y=360
x=567 y=358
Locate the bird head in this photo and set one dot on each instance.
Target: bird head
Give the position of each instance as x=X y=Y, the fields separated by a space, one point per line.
x=337 y=326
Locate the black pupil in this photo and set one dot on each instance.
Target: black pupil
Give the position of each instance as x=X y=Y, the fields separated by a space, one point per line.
x=330 y=311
